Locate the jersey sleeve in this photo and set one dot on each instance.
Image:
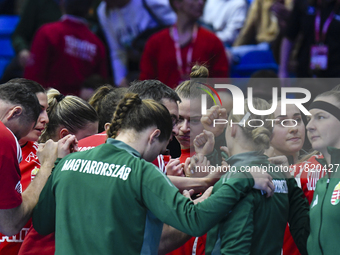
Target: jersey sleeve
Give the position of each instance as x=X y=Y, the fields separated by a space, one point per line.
x=172 y=208
x=10 y=186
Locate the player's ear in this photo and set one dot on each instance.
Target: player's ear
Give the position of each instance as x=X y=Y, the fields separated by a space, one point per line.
x=14 y=112
x=63 y=132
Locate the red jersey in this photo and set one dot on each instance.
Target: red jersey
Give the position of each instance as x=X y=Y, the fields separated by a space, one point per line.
x=64 y=54
x=159 y=57
x=10 y=155
x=35 y=243
x=195 y=245
x=92 y=141
x=29 y=166
x=306 y=174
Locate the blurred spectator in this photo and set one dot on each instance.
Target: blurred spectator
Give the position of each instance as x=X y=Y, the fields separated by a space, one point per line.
x=66 y=52
x=226 y=18
x=122 y=21
x=319 y=52
x=170 y=54
x=265 y=23
x=34 y=14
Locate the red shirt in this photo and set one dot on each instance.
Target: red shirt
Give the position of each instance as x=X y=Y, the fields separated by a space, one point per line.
x=92 y=141
x=159 y=57
x=195 y=245
x=307 y=182
x=10 y=186
x=64 y=54
x=29 y=166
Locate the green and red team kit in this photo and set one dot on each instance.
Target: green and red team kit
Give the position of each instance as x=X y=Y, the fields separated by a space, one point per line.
x=306 y=182
x=124 y=201
x=29 y=167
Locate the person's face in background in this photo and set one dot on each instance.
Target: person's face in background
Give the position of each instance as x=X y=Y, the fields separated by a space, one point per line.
x=191 y=8
x=323 y=128
x=189 y=122
x=288 y=140
x=34 y=134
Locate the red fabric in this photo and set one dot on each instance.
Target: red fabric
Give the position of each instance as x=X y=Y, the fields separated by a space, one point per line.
x=307 y=181
x=159 y=57
x=37 y=244
x=28 y=168
x=92 y=141
x=30 y=164
x=10 y=187
x=185 y=154
x=191 y=246
x=64 y=54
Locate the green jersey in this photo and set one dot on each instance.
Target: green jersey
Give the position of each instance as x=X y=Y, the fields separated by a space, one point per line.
x=256 y=225
x=325 y=209
x=108 y=200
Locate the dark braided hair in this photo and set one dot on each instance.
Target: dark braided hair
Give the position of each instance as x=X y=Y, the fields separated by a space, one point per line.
x=137 y=114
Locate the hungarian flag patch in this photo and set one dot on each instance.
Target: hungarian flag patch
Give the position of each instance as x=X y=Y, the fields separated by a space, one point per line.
x=336 y=195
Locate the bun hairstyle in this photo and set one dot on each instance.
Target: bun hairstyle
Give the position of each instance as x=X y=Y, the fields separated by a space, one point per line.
x=70 y=112
x=105 y=101
x=199 y=71
x=193 y=89
x=137 y=114
x=260 y=134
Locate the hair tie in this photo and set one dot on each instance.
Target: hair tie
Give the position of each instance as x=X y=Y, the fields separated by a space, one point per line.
x=327 y=107
x=59 y=97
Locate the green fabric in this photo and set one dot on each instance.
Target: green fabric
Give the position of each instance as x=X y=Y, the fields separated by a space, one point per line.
x=99 y=211
x=256 y=225
x=325 y=211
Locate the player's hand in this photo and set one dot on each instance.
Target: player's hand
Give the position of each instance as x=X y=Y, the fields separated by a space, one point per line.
x=204 y=143
x=215 y=112
x=67 y=145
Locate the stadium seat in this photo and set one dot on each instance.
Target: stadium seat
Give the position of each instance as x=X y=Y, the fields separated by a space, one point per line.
x=252 y=62
x=7 y=24
x=6 y=49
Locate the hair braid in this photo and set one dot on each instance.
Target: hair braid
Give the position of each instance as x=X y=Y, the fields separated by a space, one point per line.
x=126 y=104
